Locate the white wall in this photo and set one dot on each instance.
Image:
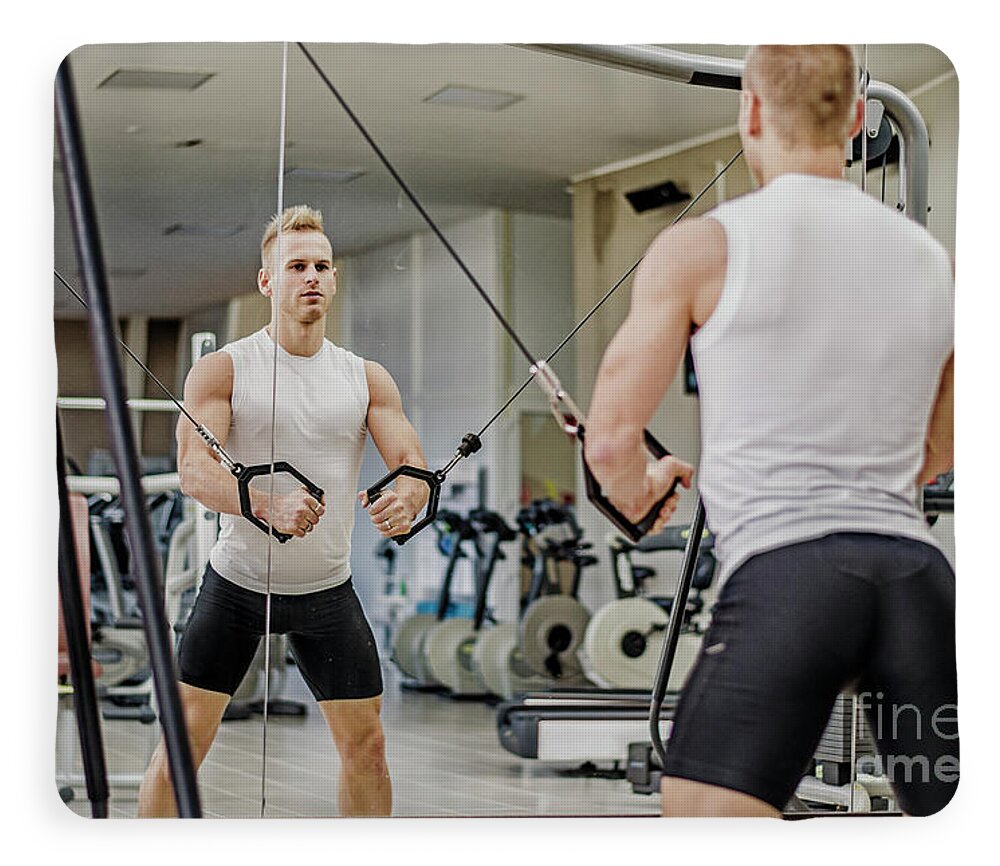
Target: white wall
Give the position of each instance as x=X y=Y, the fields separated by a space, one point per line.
x=409 y=307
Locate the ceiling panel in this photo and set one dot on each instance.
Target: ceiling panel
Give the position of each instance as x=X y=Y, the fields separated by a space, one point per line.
x=208 y=156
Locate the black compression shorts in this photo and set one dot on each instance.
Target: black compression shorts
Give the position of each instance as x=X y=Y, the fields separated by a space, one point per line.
x=796 y=626
x=328 y=633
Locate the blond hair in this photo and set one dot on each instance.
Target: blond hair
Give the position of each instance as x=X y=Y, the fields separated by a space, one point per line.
x=812 y=89
x=298 y=218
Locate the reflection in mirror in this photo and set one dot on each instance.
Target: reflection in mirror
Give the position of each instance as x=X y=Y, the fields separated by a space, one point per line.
x=390 y=678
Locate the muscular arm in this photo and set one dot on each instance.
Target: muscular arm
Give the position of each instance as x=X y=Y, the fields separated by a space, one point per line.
x=642 y=359
x=939 y=447
x=207 y=396
x=397 y=442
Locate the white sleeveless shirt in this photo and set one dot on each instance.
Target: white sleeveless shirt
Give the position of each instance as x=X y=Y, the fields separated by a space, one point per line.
x=321 y=411
x=819 y=368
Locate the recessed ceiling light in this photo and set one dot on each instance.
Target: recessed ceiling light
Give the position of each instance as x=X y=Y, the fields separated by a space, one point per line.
x=156 y=78
x=334 y=175
x=460 y=96
x=203 y=231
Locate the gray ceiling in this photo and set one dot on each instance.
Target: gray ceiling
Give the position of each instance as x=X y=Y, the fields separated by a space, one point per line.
x=208 y=157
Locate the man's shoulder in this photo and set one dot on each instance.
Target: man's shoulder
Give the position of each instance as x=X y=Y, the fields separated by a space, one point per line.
x=242 y=344
x=693 y=245
x=373 y=369
x=365 y=374
x=905 y=236
x=212 y=373
x=214 y=363
x=345 y=355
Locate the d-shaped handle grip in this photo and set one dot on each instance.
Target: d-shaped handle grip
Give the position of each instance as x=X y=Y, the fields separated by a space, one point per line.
x=433 y=480
x=633 y=531
x=245 y=474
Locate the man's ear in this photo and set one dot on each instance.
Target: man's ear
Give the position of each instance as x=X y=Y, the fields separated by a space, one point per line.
x=264 y=282
x=859 y=118
x=751 y=108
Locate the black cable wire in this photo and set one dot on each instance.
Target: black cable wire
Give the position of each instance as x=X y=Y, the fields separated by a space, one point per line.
x=458 y=259
x=611 y=291
x=427 y=217
x=131 y=354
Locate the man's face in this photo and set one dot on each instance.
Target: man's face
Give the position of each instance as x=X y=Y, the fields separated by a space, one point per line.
x=306 y=280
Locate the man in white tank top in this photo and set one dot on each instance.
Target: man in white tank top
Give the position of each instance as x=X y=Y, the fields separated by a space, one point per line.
x=824 y=357
x=327 y=401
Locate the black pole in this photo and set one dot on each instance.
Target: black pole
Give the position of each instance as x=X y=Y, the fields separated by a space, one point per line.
x=81 y=673
x=678 y=609
x=444 y=597
x=483 y=583
x=149 y=585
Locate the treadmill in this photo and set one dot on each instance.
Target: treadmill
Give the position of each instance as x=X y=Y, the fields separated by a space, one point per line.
x=844 y=776
x=578 y=726
x=595 y=725
x=587 y=726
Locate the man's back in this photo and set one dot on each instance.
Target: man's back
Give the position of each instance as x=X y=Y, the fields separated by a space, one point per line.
x=818 y=368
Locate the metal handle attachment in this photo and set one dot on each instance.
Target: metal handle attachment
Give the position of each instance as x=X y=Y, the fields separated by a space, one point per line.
x=570 y=419
x=470 y=445
x=634 y=531
x=245 y=474
x=433 y=480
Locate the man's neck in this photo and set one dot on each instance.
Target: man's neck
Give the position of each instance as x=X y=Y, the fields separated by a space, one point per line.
x=299 y=338
x=823 y=162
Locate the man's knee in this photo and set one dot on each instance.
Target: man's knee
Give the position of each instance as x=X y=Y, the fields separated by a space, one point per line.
x=363 y=750
x=203 y=712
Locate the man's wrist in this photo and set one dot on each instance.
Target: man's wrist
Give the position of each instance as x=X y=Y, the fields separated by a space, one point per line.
x=258 y=503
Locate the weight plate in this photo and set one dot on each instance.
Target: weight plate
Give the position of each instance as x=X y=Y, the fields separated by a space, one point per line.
x=442 y=646
x=501 y=666
x=407 y=650
x=624 y=641
x=489 y=658
x=551 y=632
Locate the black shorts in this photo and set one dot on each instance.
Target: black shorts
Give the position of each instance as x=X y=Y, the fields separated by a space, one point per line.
x=796 y=626
x=328 y=634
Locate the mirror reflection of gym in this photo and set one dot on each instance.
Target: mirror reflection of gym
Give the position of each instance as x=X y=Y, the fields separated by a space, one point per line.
x=520 y=585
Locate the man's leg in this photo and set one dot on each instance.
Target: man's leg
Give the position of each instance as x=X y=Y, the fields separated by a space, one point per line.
x=336 y=654
x=202 y=714
x=218 y=646
x=682 y=798
x=365 y=788
x=909 y=691
x=788 y=632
